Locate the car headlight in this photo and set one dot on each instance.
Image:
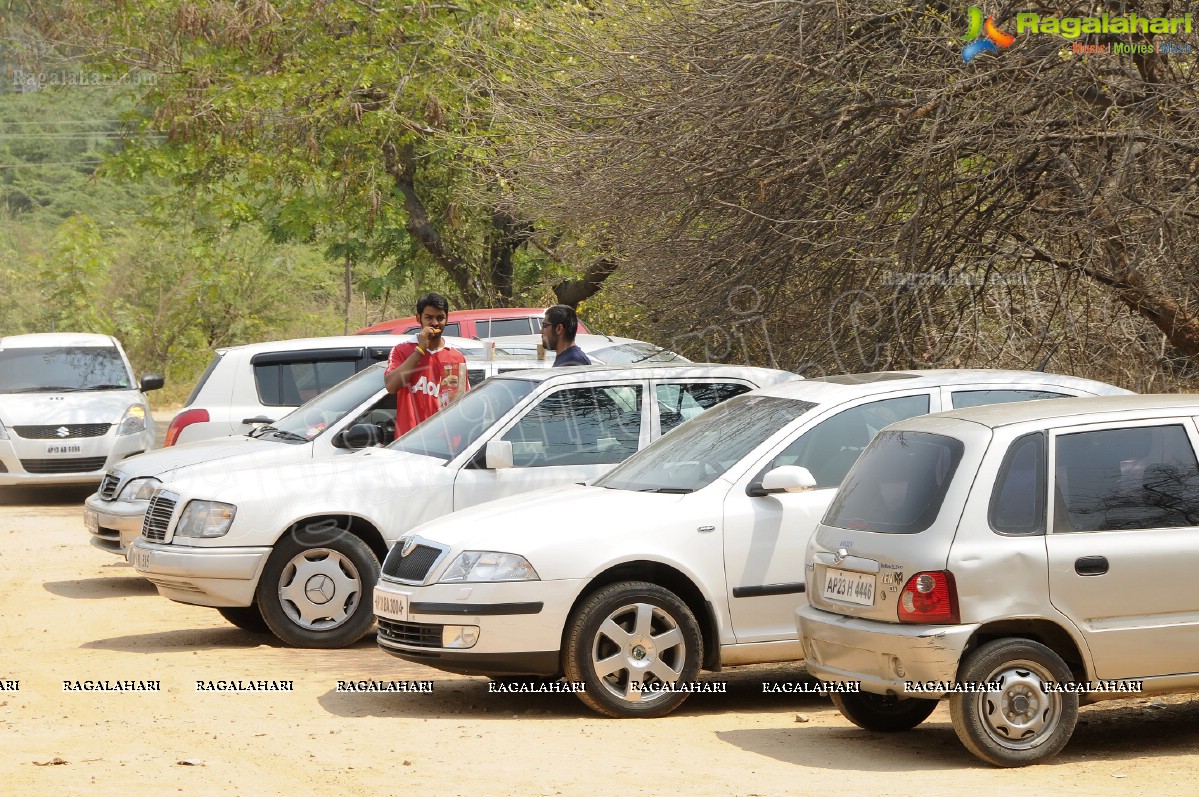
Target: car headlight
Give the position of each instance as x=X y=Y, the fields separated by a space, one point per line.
x=205 y=519
x=134 y=420
x=139 y=489
x=490 y=566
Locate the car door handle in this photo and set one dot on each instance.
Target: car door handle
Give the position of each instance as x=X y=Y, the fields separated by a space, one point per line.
x=259 y=419
x=1090 y=565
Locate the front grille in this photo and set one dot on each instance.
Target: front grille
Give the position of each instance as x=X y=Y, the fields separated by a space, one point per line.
x=420 y=635
x=54 y=433
x=108 y=488
x=69 y=465
x=158 y=517
x=413 y=567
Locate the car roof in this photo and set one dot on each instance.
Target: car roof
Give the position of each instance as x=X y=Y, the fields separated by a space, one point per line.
x=1063 y=412
x=41 y=340
x=346 y=341
x=599 y=373
x=838 y=388
x=586 y=342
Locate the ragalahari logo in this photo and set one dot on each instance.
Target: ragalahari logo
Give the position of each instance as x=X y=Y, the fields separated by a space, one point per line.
x=983 y=36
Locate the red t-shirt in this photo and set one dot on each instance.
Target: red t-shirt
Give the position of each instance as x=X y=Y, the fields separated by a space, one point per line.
x=437 y=381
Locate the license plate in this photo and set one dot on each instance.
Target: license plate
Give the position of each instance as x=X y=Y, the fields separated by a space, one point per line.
x=63 y=449
x=849 y=587
x=391 y=606
x=141 y=560
x=91 y=521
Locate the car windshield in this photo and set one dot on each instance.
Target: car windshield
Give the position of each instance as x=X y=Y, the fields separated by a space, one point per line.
x=53 y=370
x=310 y=420
x=458 y=426
x=701 y=450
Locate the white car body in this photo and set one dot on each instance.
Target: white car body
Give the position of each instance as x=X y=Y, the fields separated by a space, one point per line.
x=516 y=433
x=113 y=515
x=730 y=552
x=54 y=433
x=230 y=398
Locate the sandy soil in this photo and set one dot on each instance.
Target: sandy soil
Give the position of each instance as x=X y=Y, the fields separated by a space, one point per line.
x=69 y=612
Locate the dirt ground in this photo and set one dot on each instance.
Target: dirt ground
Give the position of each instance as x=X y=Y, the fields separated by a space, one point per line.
x=70 y=612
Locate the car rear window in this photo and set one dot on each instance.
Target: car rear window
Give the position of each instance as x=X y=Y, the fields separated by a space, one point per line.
x=898 y=485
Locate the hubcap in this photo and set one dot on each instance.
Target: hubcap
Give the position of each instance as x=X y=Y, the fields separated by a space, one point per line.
x=319 y=589
x=1022 y=714
x=638 y=649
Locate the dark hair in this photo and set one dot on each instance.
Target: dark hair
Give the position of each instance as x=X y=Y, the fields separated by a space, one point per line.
x=565 y=315
x=432 y=300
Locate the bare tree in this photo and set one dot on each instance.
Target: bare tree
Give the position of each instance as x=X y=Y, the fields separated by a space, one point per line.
x=888 y=203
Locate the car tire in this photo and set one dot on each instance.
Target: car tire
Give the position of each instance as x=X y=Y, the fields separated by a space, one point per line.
x=1023 y=722
x=632 y=633
x=319 y=595
x=882 y=713
x=247 y=618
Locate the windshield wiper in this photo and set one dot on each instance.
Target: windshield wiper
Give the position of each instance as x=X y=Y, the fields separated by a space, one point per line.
x=48 y=389
x=104 y=387
x=669 y=490
x=288 y=435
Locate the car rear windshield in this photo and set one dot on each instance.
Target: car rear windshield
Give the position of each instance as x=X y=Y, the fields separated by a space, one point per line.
x=455 y=428
x=63 y=368
x=703 y=449
x=898 y=485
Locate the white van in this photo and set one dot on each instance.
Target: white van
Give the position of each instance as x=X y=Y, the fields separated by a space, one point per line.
x=69 y=408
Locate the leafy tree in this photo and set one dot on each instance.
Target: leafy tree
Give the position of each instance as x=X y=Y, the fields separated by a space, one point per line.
x=350 y=123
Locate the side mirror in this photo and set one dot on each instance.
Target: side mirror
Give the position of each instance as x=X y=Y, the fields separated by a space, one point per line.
x=785 y=479
x=360 y=435
x=499 y=454
x=152 y=382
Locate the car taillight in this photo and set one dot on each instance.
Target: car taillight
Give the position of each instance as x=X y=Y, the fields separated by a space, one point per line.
x=929 y=597
x=182 y=421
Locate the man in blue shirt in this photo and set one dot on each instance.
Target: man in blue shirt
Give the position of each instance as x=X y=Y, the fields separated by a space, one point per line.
x=558 y=330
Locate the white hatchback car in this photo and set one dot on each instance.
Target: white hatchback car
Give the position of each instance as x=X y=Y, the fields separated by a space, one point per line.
x=260 y=382
x=69 y=408
x=1019 y=560
x=297 y=547
x=688 y=554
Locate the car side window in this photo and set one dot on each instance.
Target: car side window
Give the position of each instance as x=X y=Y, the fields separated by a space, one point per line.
x=830 y=448
x=678 y=402
x=1143 y=477
x=579 y=426
x=1018 y=502
x=290 y=384
x=500 y=327
x=977 y=398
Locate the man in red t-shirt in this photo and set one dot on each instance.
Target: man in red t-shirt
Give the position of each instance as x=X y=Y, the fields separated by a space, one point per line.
x=426 y=375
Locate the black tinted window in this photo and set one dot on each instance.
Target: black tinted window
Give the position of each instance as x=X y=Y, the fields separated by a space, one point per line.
x=1138 y=478
x=579 y=426
x=977 y=398
x=682 y=402
x=898 y=484
x=1018 y=503
x=829 y=449
x=290 y=384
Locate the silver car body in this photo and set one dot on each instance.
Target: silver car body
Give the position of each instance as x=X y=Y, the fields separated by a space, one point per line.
x=1116 y=603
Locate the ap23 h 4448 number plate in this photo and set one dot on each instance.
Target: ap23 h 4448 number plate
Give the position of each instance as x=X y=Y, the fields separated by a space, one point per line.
x=849 y=587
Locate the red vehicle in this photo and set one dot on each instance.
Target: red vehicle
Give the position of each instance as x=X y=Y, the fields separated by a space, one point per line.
x=493 y=323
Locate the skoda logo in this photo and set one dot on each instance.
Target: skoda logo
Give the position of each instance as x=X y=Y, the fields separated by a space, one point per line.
x=409 y=544
x=840 y=556
x=62 y=431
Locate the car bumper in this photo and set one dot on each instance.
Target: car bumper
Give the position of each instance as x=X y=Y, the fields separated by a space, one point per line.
x=202 y=576
x=519 y=624
x=28 y=463
x=114 y=525
x=885 y=658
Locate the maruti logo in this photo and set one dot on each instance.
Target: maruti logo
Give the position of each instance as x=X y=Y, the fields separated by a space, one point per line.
x=983 y=36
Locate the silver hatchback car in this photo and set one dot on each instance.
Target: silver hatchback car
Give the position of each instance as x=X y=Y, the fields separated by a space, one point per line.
x=1019 y=559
